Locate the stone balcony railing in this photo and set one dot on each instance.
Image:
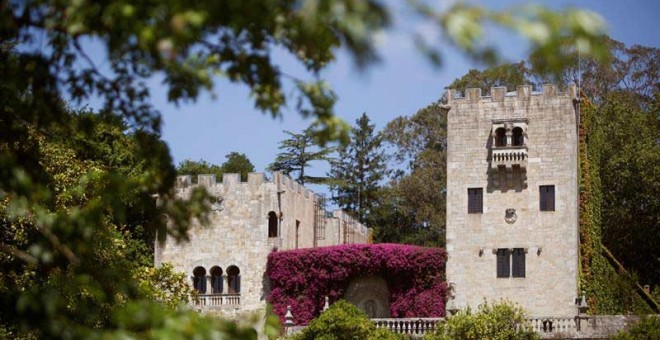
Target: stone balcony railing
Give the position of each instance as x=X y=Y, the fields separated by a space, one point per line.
x=553 y=326
x=217 y=300
x=414 y=327
x=547 y=327
x=509 y=156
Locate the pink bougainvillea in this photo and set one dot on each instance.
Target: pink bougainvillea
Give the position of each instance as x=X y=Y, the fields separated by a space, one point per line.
x=302 y=278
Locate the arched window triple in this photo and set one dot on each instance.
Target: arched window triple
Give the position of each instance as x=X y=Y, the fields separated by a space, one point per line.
x=272 y=224
x=199 y=279
x=234 y=279
x=500 y=137
x=216 y=280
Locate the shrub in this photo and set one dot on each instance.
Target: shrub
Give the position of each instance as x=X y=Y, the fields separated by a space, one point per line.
x=302 y=278
x=344 y=321
x=492 y=321
x=646 y=328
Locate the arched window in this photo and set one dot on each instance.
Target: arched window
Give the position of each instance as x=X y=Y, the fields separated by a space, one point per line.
x=272 y=224
x=216 y=280
x=500 y=137
x=199 y=279
x=234 y=279
x=518 y=138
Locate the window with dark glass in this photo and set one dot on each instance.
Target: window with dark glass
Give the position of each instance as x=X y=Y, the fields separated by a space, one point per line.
x=518 y=138
x=475 y=200
x=216 y=280
x=500 y=137
x=547 y=197
x=199 y=279
x=272 y=224
x=518 y=262
x=503 y=269
x=510 y=263
x=234 y=279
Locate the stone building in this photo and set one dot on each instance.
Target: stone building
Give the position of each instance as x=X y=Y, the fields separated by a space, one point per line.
x=226 y=261
x=512 y=215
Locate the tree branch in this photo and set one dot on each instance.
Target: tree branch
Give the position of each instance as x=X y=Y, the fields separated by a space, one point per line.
x=25 y=257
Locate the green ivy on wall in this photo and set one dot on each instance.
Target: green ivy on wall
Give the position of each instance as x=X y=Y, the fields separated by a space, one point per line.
x=607 y=290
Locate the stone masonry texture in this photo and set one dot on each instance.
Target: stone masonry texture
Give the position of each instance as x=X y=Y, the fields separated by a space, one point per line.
x=238 y=231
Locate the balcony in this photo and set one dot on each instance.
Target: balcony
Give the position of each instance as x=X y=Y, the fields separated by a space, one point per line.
x=508 y=156
x=212 y=301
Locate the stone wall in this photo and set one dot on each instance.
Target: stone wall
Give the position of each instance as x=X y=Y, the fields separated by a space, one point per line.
x=238 y=233
x=511 y=216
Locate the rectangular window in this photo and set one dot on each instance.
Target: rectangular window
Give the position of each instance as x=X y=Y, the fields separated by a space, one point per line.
x=503 y=269
x=297 y=232
x=475 y=200
x=547 y=197
x=518 y=263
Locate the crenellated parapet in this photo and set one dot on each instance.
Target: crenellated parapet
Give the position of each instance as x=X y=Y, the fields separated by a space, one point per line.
x=232 y=181
x=500 y=94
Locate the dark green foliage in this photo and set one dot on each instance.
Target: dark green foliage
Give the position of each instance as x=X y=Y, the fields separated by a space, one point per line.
x=344 y=321
x=508 y=75
x=493 y=321
x=358 y=171
x=300 y=151
x=411 y=208
x=236 y=163
x=195 y=168
x=608 y=291
x=647 y=328
x=630 y=178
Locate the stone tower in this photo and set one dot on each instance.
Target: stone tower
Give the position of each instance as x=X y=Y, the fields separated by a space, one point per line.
x=512 y=221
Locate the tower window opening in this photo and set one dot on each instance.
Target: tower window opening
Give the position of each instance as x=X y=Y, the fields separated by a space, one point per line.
x=272 y=224
x=500 y=137
x=199 y=280
x=216 y=280
x=234 y=279
x=475 y=200
x=547 y=198
x=518 y=138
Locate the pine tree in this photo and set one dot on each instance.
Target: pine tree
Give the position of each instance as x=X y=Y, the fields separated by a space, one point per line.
x=300 y=149
x=358 y=170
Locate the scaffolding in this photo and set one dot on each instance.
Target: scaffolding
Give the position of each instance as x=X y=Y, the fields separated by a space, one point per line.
x=319 y=219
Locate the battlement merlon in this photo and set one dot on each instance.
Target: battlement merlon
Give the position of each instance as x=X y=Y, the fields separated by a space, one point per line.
x=500 y=94
x=255 y=179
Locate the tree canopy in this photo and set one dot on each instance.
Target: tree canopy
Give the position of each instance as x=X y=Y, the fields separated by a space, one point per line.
x=300 y=150
x=358 y=170
x=236 y=163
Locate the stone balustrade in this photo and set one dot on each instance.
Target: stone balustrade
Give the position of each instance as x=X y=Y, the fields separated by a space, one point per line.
x=217 y=300
x=509 y=156
x=408 y=326
x=548 y=326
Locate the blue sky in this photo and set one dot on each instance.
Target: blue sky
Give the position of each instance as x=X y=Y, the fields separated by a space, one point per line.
x=400 y=85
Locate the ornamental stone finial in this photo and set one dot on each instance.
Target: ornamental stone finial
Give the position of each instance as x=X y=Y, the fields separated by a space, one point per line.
x=288 y=317
x=327 y=303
